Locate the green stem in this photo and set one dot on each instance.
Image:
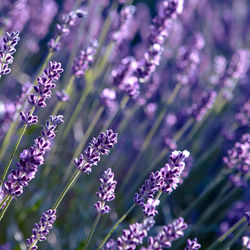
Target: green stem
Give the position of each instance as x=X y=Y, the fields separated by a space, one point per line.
x=116 y=225
x=92 y=230
x=77 y=110
x=227 y=233
x=4 y=200
x=83 y=141
x=15 y=149
x=5 y=208
x=67 y=187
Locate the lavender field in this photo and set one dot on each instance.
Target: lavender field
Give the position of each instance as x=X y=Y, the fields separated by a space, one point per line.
x=124 y=124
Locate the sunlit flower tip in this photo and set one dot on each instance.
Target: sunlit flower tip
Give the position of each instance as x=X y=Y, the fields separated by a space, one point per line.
x=149 y=207
x=246 y=242
x=41 y=230
x=192 y=244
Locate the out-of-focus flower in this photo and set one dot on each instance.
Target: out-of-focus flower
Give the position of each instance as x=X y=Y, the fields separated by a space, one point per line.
x=149 y=207
x=41 y=230
x=246 y=242
x=243 y=116
x=106 y=191
x=62 y=96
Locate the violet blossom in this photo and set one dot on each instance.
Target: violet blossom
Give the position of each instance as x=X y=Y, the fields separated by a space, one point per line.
x=106 y=192
x=192 y=245
x=98 y=146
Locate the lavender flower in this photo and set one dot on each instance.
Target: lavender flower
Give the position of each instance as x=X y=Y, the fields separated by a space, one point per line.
x=198 y=110
x=149 y=207
x=98 y=146
x=7 y=50
x=246 y=242
x=68 y=20
x=247 y=215
x=41 y=230
x=166 y=179
x=238 y=160
x=192 y=244
x=43 y=91
x=107 y=191
x=131 y=237
x=31 y=159
x=108 y=97
x=85 y=59
x=167 y=235
x=126 y=18
x=62 y=96
x=243 y=116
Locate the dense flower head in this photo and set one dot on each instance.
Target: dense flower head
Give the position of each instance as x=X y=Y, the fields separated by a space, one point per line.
x=85 y=59
x=41 y=229
x=43 y=90
x=7 y=50
x=166 y=179
x=98 y=146
x=167 y=235
x=198 y=110
x=131 y=237
x=149 y=207
x=238 y=160
x=68 y=20
x=126 y=18
x=192 y=244
x=243 y=116
x=106 y=191
x=31 y=159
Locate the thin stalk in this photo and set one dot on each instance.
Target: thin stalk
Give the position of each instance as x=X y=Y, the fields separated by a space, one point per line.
x=77 y=110
x=15 y=149
x=92 y=230
x=150 y=135
x=83 y=141
x=116 y=225
x=227 y=233
x=5 y=208
x=67 y=187
x=4 y=200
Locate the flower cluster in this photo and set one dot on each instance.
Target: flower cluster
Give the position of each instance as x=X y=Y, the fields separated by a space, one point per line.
x=7 y=50
x=243 y=116
x=43 y=90
x=106 y=191
x=167 y=235
x=166 y=179
x=68 y=20
x=192 y=244
x=238 y=160
x=98 y=146
x=131 y=237
x=84 y=60
x=198 y=110
x=30 y=159
x=126 y=17
x=41 y=230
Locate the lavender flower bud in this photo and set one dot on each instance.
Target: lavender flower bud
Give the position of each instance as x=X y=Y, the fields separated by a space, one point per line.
x=62 y=96
x=167 y=235
x=41 y=230
x=246 y=242
x=107 y=191
x=198 y=110
x=131 y=237
x=31 y=159
x=192 y=244
x=85 y=59
x=98 y=146
x=238 y=160
x=7 y=50
x=108 y=97
x=149 y=207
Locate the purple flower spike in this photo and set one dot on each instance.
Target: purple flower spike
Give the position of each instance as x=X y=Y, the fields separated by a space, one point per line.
x=238 y=160
x=98 y=146
x=167 y=235
x=30 y=160
x=131 y=237
x=28 y=118
x=7 y=50
x=107 y=191
x=84 y=60
x=192 y=244
x=41 y=230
